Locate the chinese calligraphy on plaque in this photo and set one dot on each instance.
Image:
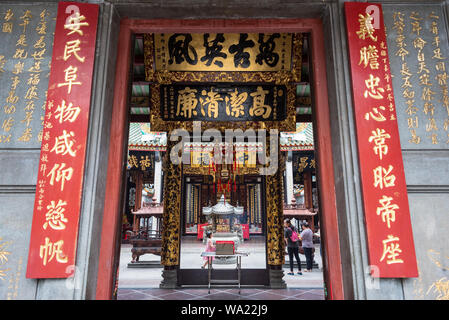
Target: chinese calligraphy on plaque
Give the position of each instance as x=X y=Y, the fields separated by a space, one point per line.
x=221 y=102
x=303 y=161
x=26 y=35
x=223 y=51
x=141 y=160
x=244 y=154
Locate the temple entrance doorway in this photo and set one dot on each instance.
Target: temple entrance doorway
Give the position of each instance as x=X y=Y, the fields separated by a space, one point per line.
x=167 y=207
x=224 y=199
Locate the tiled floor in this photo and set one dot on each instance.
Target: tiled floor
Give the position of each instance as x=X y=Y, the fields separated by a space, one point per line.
x=143 y=283
x=220 y=294
x=146 y=278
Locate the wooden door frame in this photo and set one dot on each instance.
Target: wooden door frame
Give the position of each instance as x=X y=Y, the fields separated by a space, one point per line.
x=110 y=236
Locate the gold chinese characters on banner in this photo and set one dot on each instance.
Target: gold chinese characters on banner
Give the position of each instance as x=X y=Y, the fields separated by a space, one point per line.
x=223 y=51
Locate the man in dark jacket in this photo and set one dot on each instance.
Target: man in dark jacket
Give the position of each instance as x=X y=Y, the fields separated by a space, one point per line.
x=292 y=246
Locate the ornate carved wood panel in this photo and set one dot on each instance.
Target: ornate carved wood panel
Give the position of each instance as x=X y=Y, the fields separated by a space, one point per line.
x=172 y=208
x=274 y=206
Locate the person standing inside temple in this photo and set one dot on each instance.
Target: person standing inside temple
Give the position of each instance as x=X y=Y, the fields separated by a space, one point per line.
x=210 y=247
x=306 y=238
x=292 y=242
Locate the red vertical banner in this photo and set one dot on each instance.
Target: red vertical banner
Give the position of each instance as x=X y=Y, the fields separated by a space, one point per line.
x=54 y=231
x=387 y=214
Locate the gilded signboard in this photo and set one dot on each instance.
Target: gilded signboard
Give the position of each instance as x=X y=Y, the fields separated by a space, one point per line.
x=223 y=51
x=248 y=73
x=303 y=161
x=223 y=102
x=141 y=160
x=203 y=155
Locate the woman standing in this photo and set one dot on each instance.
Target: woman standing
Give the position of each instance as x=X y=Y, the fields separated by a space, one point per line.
x=306 y=237
x=292 y=245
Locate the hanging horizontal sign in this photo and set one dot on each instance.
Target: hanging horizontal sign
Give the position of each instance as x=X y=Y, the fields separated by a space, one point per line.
x=204 y=157
x=246 y=158
x=54 y=231
x=223 y=51
x=223 y=102
x=141 y=160
x=387 y=214
x=201 y=158
x=302 y=161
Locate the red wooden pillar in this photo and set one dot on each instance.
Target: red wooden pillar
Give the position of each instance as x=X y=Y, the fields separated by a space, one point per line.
x=116 y=165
